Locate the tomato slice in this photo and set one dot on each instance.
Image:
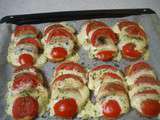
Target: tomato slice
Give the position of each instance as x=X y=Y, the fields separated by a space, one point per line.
x=59 y=53
x=148 y=80
x=126 y=23
x=105 y=67
x=23 y=67
x=66 y=76
x=105 y=55
x=145 y=92
x=27 y=78
x=51 y=27
x=70 y=66
x=93 y=25
x=25 y=107
x=25 y=29
x=26 y=59
x=150 y=108
x=111 y=109
x=129 y=51
x=112 y=75
x=136 y=31
x=33 y=41
x=59 y=32
x=137 y=67
x=66 y=108
x=105 y=33
x=114 y=87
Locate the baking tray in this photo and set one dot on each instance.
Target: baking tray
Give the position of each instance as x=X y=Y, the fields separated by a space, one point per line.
x=146 y=17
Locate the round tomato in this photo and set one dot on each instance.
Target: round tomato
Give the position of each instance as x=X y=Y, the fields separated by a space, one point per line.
x=105 y=33
x=105 y=55
x=66 y=108
x=94 y=25
x=26 y=59
x=59 y=53
x=129 y=51
x=27 y=78
x=25 y=107
x=111 y=109
x=70 y=66
x=150 y=108
x=33 y=41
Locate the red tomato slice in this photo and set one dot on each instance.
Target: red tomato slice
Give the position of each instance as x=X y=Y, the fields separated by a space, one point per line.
x=25 y=29
x=126 y=23
x=150 y=108
x=105 y=33
x=136 y=31
x=70 y=66
x=25 y=107
x=112 y=75
x=26 y=59
x=59 y=32
x=105 y=55
x=148 y=80
x=104 y=67
x=94 y=25
x=129 y=51
x=51 y=27
x=33 y=41
x=111 y=109
x=114 y=87
x=27 y=78
x=22 y=67
x=66 y=108
x=59 y=53
x=66 y=76
x=151 y=91
x=138 y=66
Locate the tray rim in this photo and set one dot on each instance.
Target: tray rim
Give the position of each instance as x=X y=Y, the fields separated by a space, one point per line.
x=37 y=18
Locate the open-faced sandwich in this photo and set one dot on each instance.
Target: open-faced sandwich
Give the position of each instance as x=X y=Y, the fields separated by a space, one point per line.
x=27 y=98
x=59 y=42
x=133 y=42
x=144 y=89
x=69 y=92
x=99 y=40
x=25 y=47
x=110 y=91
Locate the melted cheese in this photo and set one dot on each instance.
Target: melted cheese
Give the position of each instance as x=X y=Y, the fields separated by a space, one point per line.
x=82 y=37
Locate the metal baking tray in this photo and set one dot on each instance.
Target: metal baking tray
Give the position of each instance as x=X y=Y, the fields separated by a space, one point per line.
x=146 y=17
